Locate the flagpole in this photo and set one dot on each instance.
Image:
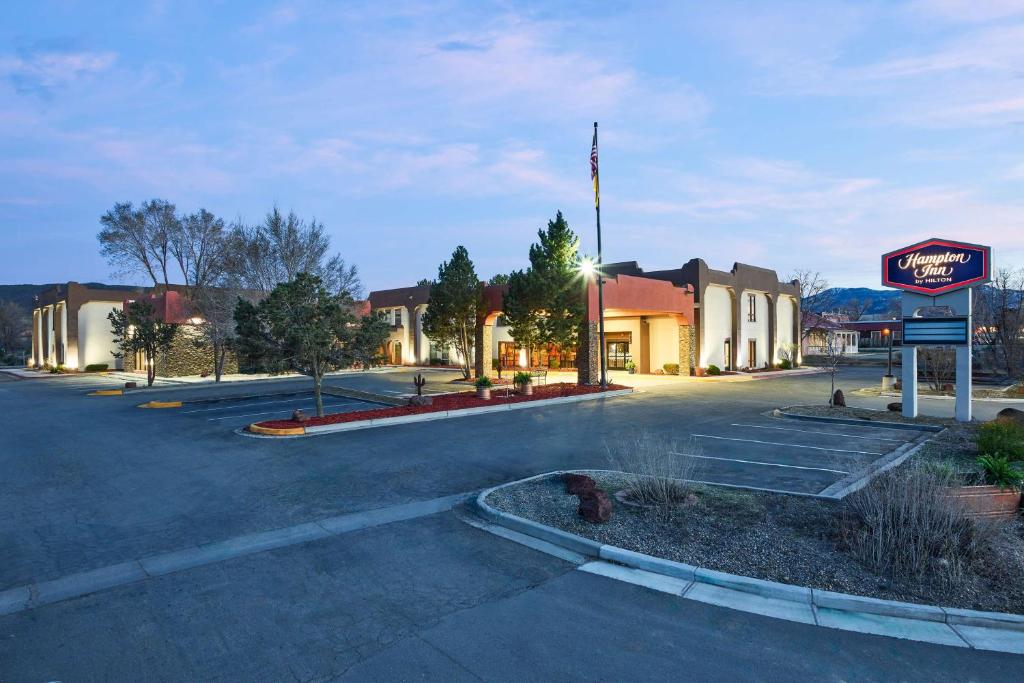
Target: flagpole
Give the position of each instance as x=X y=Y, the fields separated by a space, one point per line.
x=600 y=276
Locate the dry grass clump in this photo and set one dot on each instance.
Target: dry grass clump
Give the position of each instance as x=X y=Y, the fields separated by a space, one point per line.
x=658 y=467
x=905 y=525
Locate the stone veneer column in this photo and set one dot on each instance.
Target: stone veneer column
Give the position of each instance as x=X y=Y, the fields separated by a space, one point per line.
x=687 y=350
x=482 y=351
x=588 y=362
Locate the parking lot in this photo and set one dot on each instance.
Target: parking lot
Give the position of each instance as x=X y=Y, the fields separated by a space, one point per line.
x=238 y=412
x=791 y=455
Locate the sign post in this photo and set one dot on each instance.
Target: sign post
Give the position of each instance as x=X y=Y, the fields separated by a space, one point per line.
x=937 y=277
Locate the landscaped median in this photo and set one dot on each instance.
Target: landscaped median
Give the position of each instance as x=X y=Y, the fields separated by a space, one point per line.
x=442 y=406
x=798 y=558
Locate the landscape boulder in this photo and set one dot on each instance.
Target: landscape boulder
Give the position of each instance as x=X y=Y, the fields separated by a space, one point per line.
x=838 y=400
x=421 y=400
x=595 y=506
x=947 y=388
x=130 y=385
x=578 y=484
x=1011 y=415
x=895 y=407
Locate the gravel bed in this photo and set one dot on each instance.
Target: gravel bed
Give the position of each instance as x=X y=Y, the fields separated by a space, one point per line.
x=867 y=414
x=789 y=539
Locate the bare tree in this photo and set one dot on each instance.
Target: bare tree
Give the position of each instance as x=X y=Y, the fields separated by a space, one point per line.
x=939 y=365
x=281 y=247
x=216 y=303
x=999 y=318
x=855 y=309
x=15 y=326
x=834 y=351
x=811 y=285
x=139 y=240
x=197 y=243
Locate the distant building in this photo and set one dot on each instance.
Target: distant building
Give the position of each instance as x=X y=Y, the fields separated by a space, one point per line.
x=818 y=329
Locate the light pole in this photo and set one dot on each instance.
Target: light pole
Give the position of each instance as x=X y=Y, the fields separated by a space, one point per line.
x=889 y=381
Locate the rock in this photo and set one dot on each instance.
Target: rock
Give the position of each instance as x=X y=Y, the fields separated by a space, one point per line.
x=421 y=400
x=898 y=386
x=130 y=385
x=595 y=506
x=838 y=400
x=578 y=484
x=1011 y=415
x=895 y=407
x=299 y=416
x=947 y=388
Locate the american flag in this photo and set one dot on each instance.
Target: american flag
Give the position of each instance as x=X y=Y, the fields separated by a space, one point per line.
x=593 y=168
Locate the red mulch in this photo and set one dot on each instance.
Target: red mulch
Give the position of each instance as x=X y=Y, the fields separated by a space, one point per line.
x=444 y=402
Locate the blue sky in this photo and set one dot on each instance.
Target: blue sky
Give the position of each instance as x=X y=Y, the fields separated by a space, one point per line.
x=791 y=135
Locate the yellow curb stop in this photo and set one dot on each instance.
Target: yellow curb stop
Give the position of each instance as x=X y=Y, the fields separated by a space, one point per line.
x=271 y=431
x=106 y=392
x=161 y=404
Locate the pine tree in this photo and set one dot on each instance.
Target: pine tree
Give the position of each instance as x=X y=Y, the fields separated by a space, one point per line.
x=455 y=300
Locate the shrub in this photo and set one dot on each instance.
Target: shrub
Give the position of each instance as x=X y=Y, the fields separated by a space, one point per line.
x=671 y=368
x=555 y=363
x=96 y=367
x=658 y=467
x=630 y=367
x=999 y=471
x=522 y=378
x=785 y=364
x=484 y=382
x=904 y=524
x=714 y=370
x=1001 y=438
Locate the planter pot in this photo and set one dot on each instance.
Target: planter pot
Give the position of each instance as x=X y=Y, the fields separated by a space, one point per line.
x=484 y=393
x=990 y=502
x=526 y=389
x=888 y=382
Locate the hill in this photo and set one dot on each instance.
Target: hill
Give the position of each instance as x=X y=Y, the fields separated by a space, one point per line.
x=872 y=301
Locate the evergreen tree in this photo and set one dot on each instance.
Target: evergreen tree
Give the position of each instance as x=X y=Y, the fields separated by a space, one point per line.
x=367 y=341
x=138 y=329
x=521 y=308
x=455 y=300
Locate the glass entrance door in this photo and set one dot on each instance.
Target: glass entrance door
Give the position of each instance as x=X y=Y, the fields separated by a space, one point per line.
x=617 y=354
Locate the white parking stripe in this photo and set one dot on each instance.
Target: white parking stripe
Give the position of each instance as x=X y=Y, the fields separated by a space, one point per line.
x=812 y=431
x=759 y=462
x=788 y=445
x=240 y=404
x=279 y=410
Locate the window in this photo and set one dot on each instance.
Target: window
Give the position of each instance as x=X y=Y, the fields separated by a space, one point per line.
x=751 y=308
x=398 y=317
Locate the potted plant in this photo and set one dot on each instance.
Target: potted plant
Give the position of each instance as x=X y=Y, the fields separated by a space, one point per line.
x=1000 y=495
x=483 y=388
x=631 y=367
x=524 y=382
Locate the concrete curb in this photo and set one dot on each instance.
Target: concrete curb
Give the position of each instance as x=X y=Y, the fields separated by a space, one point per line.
x=841 y=604
x=975 y=399
x=858 y=480
x=438 y=415
x=781 y=412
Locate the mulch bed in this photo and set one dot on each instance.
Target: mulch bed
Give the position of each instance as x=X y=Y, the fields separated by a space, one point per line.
x=443 y=402
x=776 y=537
x=868 y=415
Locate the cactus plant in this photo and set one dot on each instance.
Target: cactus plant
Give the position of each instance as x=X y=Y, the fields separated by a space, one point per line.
x=419 y=381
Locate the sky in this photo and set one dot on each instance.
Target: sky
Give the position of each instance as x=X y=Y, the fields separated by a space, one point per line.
x=812 y=135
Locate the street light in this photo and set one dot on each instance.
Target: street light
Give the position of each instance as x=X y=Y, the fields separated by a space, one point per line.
x=888 y=382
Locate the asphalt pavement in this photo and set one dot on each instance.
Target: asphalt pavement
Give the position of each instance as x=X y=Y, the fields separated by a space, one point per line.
x=92 y=482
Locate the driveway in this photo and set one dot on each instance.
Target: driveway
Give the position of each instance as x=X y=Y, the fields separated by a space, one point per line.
x=93 y=482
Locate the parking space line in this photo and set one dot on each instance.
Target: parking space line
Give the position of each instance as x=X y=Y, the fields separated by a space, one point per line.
x=271 y=412
x=788 y=445
x=759 y=462
x=240 y=404
x=813 y=431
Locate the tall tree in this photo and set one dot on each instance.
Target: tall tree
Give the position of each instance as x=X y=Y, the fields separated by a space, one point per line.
x=15 y=327
x=811 y=284
x=197 y=243
x=499 y=279
x=138 y=329
x=999 y=318
x=281 y=247
x=303 y=326
x=522 y=309
x=555 y=268
x=364 y=347
x=139 y=240
x=455 y=300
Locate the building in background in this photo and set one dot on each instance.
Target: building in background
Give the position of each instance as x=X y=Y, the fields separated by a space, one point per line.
x=690 y=317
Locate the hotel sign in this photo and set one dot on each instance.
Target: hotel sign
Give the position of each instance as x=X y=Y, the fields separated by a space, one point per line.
x=937 y=266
